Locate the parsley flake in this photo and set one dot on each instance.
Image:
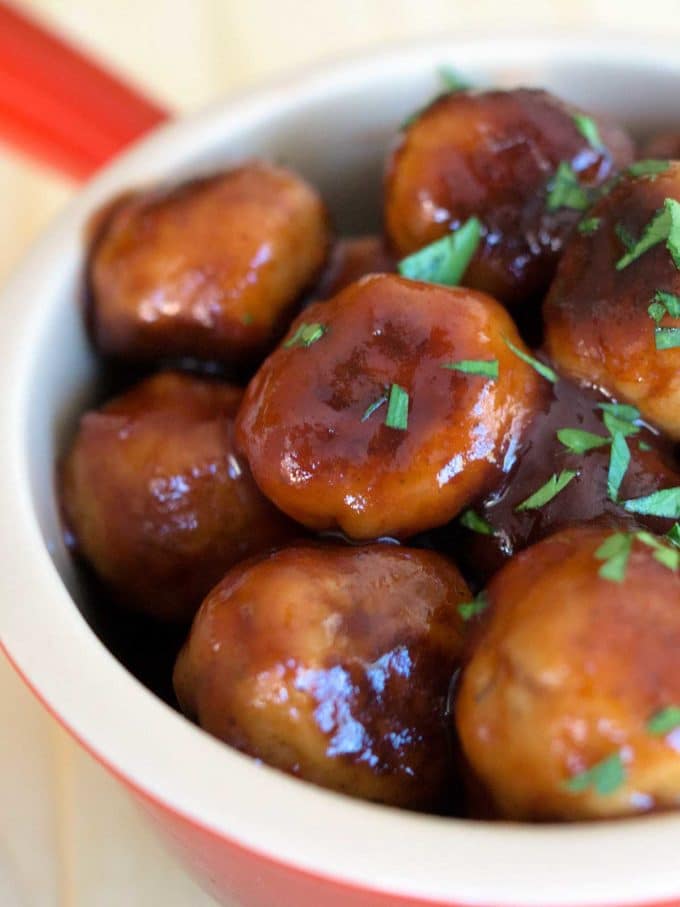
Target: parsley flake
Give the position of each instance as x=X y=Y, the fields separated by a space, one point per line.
x=625 y=237
x=664 y=304
x=667 y=338
x=605 y=777
x=468 y=610
x=445 y=260
x=487 y=368
x=565 y=190
x=397 y=408
x=620 y=418
x=545 y=494
x=615 y=552
x=589 y=225
x=665 y=225
x=673 y=535
x=476 y=523
x=452 y=80
x=664 y=552
x=664 y=503
x=619 y=461
x=306 y=335
x=588 y=129
x=543 y=370
x=578 y=441
x=648 y=168
x=664 y=721
x=373 y=407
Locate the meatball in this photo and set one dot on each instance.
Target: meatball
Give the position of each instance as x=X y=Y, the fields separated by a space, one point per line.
x=333 y=664
x=565 y=707
x=209 y=269
x=156 y=498
x=364 y=420
x=351 y=259
x=495 y=155
x=599 y=326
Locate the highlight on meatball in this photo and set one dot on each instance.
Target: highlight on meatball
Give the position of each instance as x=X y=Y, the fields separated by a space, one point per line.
x=332 y=664
x=157 y=499
x=569 y=705
x=209 y=269
x=612 y=317
x=522 y=162
x=388 y=408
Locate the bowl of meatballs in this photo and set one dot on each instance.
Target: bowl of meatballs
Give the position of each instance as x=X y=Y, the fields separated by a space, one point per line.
x=342 y=482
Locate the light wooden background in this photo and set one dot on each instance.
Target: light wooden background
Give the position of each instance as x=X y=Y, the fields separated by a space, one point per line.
x=68 y=836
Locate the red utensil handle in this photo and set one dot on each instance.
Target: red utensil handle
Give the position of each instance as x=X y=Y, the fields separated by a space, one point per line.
x=59 y=106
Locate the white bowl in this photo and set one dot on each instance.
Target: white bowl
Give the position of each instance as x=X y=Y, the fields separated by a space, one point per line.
x=246 y=829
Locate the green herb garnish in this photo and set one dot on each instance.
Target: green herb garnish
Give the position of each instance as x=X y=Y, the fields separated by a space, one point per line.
x=543 y=370
x=619 y=461
x=545 y=494
x=664 y=304
x=648 y=168
x=578 y=441
x=589 y=225
x=673 y=535
x=373 y=407
x=565 y=190
x=620 y=418
x=665 y=225
x=615 y=552
x=664 y=552
x=667 y=338
x=306 y=335
x=664 y=721
x=664 y=503
x=476 y=523
x=625 y=237
x=446 y=260
x=468 y=610
x=452 y=80
x=588 y=129
x=644 y=446
x=247 y=319
x=487 y=368
x=605 y=777
x=397 y=408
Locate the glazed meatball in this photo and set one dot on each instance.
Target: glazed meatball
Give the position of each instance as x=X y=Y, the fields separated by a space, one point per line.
x=364 y=420
x=332 y=664
x=351 y=259
x=210 y=269
x=564 y=708
x=598 y=325
x=156 y=498
x=495 y=155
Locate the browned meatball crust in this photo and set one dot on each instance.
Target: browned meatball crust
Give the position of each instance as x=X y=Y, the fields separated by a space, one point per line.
x=316 y=422
x=492 y=155
x=598 y=327
x=158 y=500
x=564 y=708
x=333 y=664
x=208 y=269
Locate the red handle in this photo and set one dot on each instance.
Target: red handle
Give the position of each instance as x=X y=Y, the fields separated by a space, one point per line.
x=59 y=106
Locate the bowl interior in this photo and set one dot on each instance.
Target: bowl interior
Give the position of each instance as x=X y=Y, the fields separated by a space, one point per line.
x=335 y=128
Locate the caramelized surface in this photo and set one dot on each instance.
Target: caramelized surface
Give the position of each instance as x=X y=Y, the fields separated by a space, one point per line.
x=316 y=452
x=491 y=155
x=333 y=664
x=567 y=670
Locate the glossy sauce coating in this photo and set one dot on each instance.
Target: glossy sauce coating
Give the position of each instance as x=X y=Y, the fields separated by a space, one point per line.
x=323 y=457
x=597 y=325
x=586 y=498
x=567 y=671
x=333 y=664
x=209 y=269
x=491 y=155
x=350 y=259
x=157 y=499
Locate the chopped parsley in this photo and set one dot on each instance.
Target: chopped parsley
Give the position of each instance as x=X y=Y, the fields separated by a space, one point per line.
x=445 y=260
x=306 y=335
x=578 y=441
x=373 y=407
x=588 y=129
x=664 y=304
x=664 y=552
x=673 y=535
x=452 y=80
x=397 y=408
x=543 y=370
x=619 y=461
x=476 y=523
x=545 y=494
x=605 y=777
x=468 y=610
x=589 y=225
x=664 y=503
x=664 y=721
x=487 y=368
x=565 y=190
x=664 y=226
x=667 y=338
x=625 y=237
x=648 y=168
x=644 y=446
x=620 y=418
x=615 y=552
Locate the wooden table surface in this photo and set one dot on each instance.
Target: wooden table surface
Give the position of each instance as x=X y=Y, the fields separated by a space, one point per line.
x=68 y=836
